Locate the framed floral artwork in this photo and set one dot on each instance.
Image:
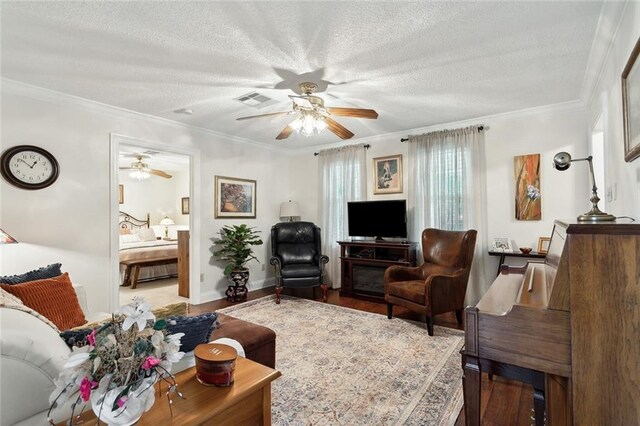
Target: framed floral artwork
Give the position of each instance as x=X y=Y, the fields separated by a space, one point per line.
x=120 y=194
x=528 y=203
x=631 y=105
x=235 y=197
x=387 y=175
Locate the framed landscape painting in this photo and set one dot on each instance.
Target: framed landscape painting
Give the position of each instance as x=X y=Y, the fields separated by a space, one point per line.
x=631 y=105
x=235 y=197
x=387 y=175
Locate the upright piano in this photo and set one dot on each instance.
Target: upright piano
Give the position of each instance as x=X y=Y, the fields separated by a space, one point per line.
x=568 y=325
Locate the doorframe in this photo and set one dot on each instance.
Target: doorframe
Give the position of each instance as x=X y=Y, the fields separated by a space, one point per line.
x=115 y=140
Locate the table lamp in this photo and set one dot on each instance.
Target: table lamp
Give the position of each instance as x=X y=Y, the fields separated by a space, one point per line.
x=562 y=161
x=166 y=222
x=289 y=209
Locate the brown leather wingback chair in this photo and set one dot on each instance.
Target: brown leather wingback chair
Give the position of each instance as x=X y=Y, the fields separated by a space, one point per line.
x=440 y=283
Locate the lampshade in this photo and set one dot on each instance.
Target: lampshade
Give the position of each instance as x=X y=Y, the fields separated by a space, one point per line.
x=6 y=238
x=289 y=209
x=167 y=221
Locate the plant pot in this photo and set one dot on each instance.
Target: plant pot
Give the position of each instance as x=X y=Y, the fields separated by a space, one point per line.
x=139 y=400
x=237 y=290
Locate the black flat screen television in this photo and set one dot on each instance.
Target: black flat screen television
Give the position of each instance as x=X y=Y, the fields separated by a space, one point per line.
x=378 y=219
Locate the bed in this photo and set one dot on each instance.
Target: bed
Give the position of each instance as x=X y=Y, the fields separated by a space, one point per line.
x=139 y=242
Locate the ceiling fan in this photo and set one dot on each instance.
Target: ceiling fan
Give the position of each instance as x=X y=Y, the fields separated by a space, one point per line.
x=312 y=116
x=141 y=170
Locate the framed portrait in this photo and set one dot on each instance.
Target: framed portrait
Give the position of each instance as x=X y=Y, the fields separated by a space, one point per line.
x=120 y=194
x=185 y=205
x=387 y=175
x=631 y=105
x=502 y=245
x=235 y=197
x=543 y=245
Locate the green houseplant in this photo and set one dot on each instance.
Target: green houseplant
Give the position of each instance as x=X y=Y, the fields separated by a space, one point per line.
x=235 y=246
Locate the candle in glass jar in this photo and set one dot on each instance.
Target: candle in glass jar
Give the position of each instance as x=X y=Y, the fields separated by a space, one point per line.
x=215 y=364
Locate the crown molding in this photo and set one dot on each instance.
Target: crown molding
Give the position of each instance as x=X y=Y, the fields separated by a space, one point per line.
x=19 y=88
x=576 y=105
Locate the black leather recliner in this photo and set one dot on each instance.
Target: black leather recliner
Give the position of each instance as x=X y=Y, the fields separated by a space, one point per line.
x=296 y=256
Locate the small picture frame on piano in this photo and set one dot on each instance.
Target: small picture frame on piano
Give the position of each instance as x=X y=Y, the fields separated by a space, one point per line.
x=543 y=245
x=502 y=245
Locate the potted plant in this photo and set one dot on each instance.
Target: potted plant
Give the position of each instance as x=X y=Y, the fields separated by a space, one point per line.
x=234 y=244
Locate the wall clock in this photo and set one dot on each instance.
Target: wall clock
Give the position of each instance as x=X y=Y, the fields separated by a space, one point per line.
x=29 y=167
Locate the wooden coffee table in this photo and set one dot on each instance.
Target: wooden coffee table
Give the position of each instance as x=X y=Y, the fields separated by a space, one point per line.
x=246 y=402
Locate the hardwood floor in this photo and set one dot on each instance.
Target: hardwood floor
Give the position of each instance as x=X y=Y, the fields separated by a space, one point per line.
x=503 y=402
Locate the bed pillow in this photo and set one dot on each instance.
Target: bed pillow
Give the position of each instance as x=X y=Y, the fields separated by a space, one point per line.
x=196 y=329
x=129 y=238
x=54 y=298
x=146 y=234
x=49 y=271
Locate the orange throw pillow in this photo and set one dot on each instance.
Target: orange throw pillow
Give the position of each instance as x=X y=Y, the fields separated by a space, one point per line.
x=54 y=298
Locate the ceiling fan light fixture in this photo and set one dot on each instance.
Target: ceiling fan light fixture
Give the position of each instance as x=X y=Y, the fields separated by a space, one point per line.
x=308 y=123
x=140 y=171
x=139 y=175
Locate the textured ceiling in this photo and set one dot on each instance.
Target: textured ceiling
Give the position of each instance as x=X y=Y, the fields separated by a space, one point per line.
x=416 y=63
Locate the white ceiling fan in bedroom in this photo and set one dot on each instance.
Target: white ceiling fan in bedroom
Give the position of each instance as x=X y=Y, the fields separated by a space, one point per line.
x=141 y=171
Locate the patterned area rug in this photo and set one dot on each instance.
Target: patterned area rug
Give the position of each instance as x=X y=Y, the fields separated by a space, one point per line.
x=341 y=366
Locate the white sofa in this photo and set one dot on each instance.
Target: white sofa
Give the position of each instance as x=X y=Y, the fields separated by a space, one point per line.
x=32 y=355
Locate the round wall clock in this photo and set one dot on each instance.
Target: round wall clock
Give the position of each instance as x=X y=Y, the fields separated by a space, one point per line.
x=29 y=167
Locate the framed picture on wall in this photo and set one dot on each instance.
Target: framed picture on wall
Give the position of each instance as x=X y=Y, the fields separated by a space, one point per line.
x=387 y=175
x=185 y=205
x=235 y=197
x=631 y=105
x=120 y=194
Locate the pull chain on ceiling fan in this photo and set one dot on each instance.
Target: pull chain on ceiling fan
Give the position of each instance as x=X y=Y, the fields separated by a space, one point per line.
x=312 y=117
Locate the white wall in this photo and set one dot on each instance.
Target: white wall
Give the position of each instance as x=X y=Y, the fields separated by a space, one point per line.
x=544 y=130
x=69 y=221
x=607 y=100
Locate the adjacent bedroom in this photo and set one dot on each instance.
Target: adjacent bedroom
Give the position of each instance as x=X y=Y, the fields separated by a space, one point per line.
x=153 y=194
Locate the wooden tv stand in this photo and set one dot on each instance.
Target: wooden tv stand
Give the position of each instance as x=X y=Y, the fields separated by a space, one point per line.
x=363 y=264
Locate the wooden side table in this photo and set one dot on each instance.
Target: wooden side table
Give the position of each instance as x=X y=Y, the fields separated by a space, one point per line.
x=247 y=401
x=503 y=255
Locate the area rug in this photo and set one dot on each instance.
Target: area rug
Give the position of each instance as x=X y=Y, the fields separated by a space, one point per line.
x=341 y=366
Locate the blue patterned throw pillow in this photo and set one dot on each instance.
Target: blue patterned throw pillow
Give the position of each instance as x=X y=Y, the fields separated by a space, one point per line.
x=77 y=338
x=46 y=272
x=196 y=329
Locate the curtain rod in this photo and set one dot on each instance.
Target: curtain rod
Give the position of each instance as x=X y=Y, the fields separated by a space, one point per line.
x=367 y=146
x=480 y=128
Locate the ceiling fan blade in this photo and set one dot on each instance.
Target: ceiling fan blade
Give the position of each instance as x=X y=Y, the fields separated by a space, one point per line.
x=160 y=173
x=264 y=115
x=338 y=129
x=354 y=112
x=125 y=168
x=285 y=133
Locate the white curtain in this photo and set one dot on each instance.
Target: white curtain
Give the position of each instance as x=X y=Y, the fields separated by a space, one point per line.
x=342 y=177
x=447 y=191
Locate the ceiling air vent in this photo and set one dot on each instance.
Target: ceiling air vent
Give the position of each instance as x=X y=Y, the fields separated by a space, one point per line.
x=255 y=100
